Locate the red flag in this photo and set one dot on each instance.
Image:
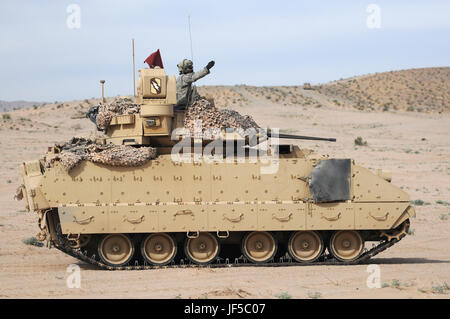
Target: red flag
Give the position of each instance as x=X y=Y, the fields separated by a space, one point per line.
x=154 y=59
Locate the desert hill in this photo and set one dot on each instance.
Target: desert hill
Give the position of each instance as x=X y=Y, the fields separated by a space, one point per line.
x=413 y=90
x=421 y=90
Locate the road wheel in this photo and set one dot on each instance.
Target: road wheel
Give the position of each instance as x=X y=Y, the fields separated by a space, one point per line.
x=203 y=249
x=159 y=249
x=115 y=249
x=259 y=247
x=305 y=246
x=346 y=245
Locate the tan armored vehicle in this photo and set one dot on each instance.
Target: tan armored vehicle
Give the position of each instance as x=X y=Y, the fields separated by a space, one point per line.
x=307 y=86
x=310 y=209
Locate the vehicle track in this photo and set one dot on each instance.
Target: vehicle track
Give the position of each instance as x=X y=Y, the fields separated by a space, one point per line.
x=327 y=259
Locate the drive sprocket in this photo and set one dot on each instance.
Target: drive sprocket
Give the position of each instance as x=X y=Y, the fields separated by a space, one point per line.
x=396 y=233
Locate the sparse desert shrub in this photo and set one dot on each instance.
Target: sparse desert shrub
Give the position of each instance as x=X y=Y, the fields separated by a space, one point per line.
x=440 y=288
x=314 y=295
x=422 y=290
x=395 y=283
x=32 y=241
x=283 y=295
x=442 y=202
x=419 y=202
x=360 y=142
x=6 y=116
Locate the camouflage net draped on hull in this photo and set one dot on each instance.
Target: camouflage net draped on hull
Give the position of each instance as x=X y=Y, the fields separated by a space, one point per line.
x=120 y=106
x=200 y=110
x=213 y=118
x=79 y=149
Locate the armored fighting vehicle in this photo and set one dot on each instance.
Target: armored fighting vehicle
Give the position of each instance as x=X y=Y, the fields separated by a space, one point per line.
x=170 y=213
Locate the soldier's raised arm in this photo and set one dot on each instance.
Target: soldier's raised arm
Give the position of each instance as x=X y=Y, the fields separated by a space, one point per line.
x=192 y=77
x=186 y=90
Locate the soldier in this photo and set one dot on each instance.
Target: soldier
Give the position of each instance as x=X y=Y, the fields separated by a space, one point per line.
x=186 y=91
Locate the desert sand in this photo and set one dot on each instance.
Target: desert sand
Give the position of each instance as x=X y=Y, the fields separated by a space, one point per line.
x=415 y=146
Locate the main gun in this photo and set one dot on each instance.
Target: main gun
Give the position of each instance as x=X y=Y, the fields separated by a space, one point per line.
x=300 y=137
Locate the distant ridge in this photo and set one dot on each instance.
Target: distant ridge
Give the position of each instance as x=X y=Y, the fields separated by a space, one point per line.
x=6 y=106
x=422 y=90
x=412 y=90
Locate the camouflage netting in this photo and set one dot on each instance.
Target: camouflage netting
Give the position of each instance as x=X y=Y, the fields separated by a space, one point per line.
x=120 y=106
x=212 y=117
x=79 y=149
x=202 y=109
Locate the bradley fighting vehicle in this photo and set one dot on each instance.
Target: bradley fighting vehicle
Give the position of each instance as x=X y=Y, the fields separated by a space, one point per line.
x=312 y=209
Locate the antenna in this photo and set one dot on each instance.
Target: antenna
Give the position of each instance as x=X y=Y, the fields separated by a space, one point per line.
x=134 y=68
x=190 y=36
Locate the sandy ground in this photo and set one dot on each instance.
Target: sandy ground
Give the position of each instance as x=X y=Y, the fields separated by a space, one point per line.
x=414 y=146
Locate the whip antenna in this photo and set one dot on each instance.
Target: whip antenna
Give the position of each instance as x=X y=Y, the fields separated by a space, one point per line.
x=190 y=36
x=134 y=68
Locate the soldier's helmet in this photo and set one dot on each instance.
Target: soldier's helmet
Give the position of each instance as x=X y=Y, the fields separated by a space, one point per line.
x=185 y=66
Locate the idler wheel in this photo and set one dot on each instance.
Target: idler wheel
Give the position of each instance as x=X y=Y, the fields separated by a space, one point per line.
x=259 y=247
x=159 y=249
x=346 y=245
x=203 y=249
x=305 y=246
x=116 y=249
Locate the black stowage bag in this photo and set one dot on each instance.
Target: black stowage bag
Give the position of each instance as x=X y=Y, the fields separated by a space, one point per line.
x=92 y=114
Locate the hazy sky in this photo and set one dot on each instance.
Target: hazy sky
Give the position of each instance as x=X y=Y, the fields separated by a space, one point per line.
x=253 y=42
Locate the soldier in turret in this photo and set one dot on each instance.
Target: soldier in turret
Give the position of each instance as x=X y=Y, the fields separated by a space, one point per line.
x=186 y=90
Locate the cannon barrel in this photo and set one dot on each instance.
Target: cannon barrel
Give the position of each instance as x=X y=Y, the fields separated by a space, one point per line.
x=300 y=137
